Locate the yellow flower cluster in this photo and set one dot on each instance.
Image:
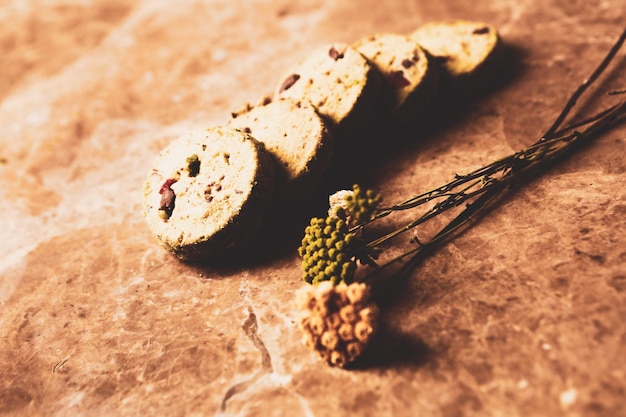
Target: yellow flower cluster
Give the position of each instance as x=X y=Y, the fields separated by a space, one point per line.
x=337 y=320
x=361 y=204
x=326 y=251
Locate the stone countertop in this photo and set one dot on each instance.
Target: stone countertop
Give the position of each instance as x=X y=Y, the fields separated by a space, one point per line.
x=523 y=314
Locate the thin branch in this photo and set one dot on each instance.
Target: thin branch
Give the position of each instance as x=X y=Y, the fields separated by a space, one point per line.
x=485 y=184
x=585 y=85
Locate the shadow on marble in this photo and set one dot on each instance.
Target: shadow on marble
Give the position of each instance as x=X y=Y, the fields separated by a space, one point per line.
x=392 y=348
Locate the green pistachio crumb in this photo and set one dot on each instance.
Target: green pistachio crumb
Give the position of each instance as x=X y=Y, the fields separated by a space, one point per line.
x=193 y=165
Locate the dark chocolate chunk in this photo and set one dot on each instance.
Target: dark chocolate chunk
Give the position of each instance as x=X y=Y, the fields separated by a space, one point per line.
x=207 y=193
x=289 y=81
x=335 y=54
x=481 y=31
x=407 y=63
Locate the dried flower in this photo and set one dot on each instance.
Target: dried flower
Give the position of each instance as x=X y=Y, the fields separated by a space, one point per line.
x=338 y=321
x=327 y=250
x=338 y=318
x=359 y=204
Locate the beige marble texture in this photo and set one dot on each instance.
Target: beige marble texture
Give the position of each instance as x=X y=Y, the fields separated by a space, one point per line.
x=522 y=315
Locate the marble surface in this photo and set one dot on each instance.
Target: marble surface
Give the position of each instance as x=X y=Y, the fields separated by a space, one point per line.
x=524 y=314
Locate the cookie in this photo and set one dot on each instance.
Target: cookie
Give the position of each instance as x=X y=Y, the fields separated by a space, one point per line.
x=208 y=192
x=469 y=52
x=341 y=84
x=295 y=134
x=410 y=74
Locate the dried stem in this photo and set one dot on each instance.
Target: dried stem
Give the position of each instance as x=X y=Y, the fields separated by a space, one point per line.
x=585 y=85
x=483 y=186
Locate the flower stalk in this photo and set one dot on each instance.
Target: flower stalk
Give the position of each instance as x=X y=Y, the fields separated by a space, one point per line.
x=333 y=247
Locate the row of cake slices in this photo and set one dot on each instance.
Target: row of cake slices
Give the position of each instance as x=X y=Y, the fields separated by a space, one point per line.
x=209 y=191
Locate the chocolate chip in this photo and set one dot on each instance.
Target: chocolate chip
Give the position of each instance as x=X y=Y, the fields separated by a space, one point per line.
x=407 y=63
x=247 y=130
x=207 y=192
x=335 y=54
x=397 y=79
x=289 y=81
x=481 y=31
